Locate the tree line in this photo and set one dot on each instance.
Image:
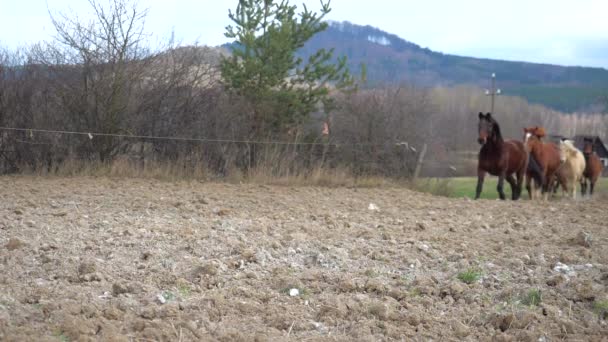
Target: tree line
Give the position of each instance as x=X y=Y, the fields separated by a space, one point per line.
x=256 y=107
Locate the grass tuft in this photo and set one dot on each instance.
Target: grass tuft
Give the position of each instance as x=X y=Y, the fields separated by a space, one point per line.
x=469 y=276
x=601 y=308
x=532 y=298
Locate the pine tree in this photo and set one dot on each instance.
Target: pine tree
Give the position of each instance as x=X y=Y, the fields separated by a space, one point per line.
x=280 y=88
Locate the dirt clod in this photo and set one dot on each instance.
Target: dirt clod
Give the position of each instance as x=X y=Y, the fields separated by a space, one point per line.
x=151 y=260
x=583 y=239
x=14 y=243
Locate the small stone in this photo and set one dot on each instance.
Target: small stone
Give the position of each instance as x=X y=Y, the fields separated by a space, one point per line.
x=120 y=288
x=294 y=292
x=45 y=247
x=375 y=286
x=456 y=290
x=379 y=310
x=585 y=291
x=86 y=267
x=556 y=280
x=171 y=310
x=221 y=211
x=460 y=330
x=420 y=226
x=14 y=243
x=18 y=212
x=145 y=256
x=105 y=295
x=347 y=285
x=425 y=285
x=161 y=298
x=423 y=247
x=91 y=277
x=149 y=312
x=564 y=269
x=583 y=239
x=207 y=269
x=113 y=314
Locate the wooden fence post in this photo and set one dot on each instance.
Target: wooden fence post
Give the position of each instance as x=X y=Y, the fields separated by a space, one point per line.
x=420 y=161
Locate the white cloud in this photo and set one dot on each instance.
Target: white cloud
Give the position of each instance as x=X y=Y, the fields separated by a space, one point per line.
x=508 y=29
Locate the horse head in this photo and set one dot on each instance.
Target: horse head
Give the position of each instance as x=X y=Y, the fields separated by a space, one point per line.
x=566 y=149
x=588 y=146
x=487 y=127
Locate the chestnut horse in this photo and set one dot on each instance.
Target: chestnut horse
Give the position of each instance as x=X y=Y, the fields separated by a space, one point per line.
x=498 y=157
x=593 y=169
x=545 y=154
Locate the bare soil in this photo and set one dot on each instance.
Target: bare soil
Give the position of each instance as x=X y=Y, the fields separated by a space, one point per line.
x=87 y=259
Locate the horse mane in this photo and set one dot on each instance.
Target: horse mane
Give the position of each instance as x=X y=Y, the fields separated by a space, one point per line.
x=540 y=132
x=496 y=130
x=569 y=145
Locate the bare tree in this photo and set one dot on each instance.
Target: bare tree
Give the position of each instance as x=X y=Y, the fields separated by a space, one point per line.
x=98 y=66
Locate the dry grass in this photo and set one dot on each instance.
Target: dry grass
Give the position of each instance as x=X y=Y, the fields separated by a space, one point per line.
x=269 y=171
x=124 y=168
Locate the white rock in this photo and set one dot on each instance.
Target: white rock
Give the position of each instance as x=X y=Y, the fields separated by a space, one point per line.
x=106 y=295
x=373 y=207
x=294 y=292
x=564 y=269
x=161 y=299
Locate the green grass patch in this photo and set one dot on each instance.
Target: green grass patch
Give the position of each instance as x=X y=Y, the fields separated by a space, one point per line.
x=459 y=187
x=601 y=308
x=532 y=298
x=469 y=276
x=435 y=186
x=184 y=290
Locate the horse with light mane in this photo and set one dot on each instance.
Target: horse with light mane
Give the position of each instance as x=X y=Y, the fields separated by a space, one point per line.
x=572 y=168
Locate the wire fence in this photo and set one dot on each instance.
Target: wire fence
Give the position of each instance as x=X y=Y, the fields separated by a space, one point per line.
x=91 y=135
x=35 y=148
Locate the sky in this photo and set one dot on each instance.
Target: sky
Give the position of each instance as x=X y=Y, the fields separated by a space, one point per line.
x=564 y=32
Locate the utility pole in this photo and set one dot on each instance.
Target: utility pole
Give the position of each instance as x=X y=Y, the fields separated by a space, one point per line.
x=493 y=92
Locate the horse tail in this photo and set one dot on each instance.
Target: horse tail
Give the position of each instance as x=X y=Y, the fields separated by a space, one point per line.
x=535 y=170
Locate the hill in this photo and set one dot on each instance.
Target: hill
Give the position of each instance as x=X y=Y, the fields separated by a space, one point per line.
x=393 y=60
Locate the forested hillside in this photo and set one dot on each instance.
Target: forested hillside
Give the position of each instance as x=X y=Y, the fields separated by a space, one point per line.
x=389 y=59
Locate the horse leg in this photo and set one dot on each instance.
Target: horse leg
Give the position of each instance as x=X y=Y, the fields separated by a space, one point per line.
x=499 y=187
x=515 y=189
x=583 y=186
x=545 y=188
x=555 y=187
x=529 y=186
x=591 y=186
x=481 y=174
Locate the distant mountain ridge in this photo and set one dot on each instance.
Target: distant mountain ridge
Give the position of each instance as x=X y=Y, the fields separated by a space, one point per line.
x=390 y=59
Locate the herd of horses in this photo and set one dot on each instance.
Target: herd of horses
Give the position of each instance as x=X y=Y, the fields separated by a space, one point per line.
x=542 y=165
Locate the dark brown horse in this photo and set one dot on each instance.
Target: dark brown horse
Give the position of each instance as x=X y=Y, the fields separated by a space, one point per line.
x=498 y=157
x=593 y=168
x=545 y=154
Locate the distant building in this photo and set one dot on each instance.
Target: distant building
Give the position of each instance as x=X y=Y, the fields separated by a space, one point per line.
x=598 y=146
x=579 y=141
